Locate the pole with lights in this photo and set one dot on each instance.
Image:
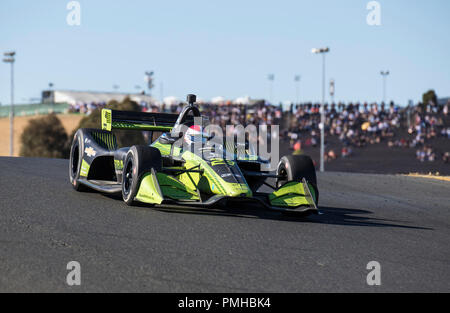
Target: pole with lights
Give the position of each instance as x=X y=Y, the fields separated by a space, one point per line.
x=271 y=78
x=332 y=90
x=149 y=80
x=384 y=74
x=297 y=79
x=9 y=58
x=322 y=51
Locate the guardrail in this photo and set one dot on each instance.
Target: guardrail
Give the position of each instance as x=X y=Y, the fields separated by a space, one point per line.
x=34 y=109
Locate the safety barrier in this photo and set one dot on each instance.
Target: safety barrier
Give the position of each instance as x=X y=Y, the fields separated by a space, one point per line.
x=34 y=109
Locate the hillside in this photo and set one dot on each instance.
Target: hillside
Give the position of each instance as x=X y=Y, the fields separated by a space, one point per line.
x=70 y=122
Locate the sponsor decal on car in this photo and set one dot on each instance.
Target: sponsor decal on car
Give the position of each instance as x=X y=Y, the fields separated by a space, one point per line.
x=90 y=152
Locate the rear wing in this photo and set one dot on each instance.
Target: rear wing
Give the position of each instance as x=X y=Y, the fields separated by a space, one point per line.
x=112 y=119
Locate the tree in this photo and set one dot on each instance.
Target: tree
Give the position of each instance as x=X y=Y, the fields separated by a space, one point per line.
x=44 y=137
x=124 y=138
x=430 y=95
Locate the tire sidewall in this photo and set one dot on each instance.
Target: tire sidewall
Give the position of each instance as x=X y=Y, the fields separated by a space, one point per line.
x=284 y=163
x=144 y=159
x=77 y=142
x=298 y=167
x=131 y=155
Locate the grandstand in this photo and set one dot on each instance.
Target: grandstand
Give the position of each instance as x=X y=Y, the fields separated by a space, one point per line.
x=82 y=97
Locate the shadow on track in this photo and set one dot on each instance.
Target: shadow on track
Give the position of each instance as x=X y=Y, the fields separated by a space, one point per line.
x=327 y=216
x=354 y=217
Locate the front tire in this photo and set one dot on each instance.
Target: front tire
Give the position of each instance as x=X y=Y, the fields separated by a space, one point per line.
x=76 y=158
x=295 y=168
x=139 y=160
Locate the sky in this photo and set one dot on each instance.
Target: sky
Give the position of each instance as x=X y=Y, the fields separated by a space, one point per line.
x=228 y=48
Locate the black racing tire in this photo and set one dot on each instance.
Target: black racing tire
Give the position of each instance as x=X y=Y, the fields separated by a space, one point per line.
x=295 y=168
x=139 y=160
x=76 y=157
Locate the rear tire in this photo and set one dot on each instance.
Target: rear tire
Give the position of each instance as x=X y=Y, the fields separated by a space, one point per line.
x=76 y=157
x=139 y=160
x=295 y=168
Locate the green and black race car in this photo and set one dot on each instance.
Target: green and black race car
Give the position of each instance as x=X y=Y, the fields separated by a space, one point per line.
x=166 y=173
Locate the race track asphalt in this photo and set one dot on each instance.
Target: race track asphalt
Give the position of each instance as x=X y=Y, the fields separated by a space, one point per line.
x=401 y=222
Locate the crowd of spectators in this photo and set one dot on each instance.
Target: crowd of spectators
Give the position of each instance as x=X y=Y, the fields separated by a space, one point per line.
x=237 y=114
x=359 y=125
x=86 y=108
x=354 y=125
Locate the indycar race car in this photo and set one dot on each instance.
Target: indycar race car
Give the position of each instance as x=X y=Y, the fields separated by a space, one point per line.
x=164 y=172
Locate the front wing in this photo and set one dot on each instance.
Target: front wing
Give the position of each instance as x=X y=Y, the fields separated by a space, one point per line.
x=160 y=188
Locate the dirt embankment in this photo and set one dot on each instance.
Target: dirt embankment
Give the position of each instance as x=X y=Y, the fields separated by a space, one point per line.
x=70 y=122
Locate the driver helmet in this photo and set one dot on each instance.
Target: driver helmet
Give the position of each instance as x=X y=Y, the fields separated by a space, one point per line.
x=195 y=132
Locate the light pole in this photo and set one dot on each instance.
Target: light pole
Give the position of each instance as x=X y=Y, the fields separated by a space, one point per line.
x=9 y=58
x=332 y=90
x=149 y=80
x=322 y=51
x=297 y=79
x=271 y=78
x=384 y=74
